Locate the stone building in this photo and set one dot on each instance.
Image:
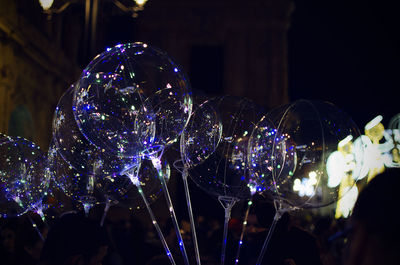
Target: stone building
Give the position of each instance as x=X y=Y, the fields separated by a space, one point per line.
x=34 y=71
x=226 y=47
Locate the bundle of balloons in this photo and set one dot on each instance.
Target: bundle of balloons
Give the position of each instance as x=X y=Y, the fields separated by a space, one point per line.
x=133 y=102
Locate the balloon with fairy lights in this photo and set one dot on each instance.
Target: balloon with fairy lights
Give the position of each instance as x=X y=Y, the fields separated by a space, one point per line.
x=108 y=101
x=224 y=173
x=127 y=90
x=201 y=135
x=23 y=183
x=266 y=156
x=77 y=185
x=314 y=130
x=86 y=188
x=198 y=141
x=78 y=151
x=307 y=133
x=130 y=99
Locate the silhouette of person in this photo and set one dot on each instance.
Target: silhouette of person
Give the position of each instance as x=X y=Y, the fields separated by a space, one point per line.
x=75 y=239
x=289 y=243
x=374 y=225
x=8 y=238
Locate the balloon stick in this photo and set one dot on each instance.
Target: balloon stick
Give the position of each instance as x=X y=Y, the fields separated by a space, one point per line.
x=243 y=229
x=36 y=228
x=192 y=225
x=157 y=165
x=271 y=230
x=133 y=177
x=227 y=203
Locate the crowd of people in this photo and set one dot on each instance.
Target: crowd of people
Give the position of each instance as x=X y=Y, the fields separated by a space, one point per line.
x=370 y=236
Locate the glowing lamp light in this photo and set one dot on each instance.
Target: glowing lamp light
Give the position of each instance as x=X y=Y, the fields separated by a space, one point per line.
x=140 y=2
x=46 y=4
x=305 y=187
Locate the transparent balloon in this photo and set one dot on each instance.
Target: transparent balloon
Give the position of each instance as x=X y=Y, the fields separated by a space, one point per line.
x=224 y=173
x=307 y=134
x=202 y=134
x=171 y=112
x=111 y=189
x=78 y=151
x=78 y=185
x=265 y=154
x=394 y=122
x=125 y=92
x=23 y=183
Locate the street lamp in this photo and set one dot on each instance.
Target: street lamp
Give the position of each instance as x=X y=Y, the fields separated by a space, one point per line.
x=91 y=10
x=138 y=5
x=46 y=4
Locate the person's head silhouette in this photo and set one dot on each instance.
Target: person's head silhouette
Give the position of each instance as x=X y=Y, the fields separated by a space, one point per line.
x=375 y=229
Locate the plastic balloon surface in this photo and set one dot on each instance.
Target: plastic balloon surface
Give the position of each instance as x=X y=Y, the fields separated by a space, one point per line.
x=308 y=132
x=78 y=185
x=23 y=183
x=115 y=188
x=224 y=173
x=78 y=151
x=202 y=134
x=266 y=148
x=124 y=92
x=171 y=112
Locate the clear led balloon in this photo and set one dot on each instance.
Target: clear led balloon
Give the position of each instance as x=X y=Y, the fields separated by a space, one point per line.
x=23 y=183
x=78 y=151
x=224 y=173
x=202 y=134
x=307 y=133
x=113 y=189
x=171 y=110
x=270 y=152
x=77 y=185
x=127 y=90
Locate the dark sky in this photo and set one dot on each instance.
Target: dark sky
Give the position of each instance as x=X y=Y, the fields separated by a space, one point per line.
x=347 y=52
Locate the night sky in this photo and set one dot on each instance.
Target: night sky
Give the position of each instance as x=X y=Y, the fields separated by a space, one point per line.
x=348 y=53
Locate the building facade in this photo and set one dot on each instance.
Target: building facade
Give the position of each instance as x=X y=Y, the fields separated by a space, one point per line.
x=226 y=47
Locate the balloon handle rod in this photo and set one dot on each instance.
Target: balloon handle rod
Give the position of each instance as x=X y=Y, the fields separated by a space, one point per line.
x=86 y=208
x=277 y=216
x=136 y=182
x=242 y=234
x=106 y=208
x=192 y=225
x=157 y=165
x=227 y=203
x=36 y=228
x=38 y=208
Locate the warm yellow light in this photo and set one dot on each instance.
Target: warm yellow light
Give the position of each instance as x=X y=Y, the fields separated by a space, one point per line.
x=46 y=4
x=140 y=2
